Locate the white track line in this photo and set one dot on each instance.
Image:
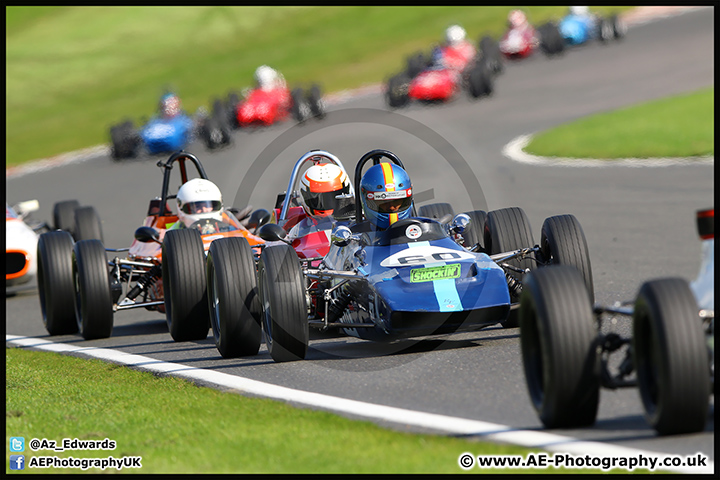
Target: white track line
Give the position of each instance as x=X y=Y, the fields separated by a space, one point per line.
x=440 y=423
x=514 y=151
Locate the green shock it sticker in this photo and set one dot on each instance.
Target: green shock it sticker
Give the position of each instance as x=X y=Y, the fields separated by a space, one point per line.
x=435 y=273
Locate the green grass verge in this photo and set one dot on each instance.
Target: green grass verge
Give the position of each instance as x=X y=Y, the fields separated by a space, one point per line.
x=680 y=126
x=178 y=427
x=71 y=72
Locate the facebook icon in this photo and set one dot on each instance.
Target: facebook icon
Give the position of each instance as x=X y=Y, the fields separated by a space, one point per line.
x=17 y=462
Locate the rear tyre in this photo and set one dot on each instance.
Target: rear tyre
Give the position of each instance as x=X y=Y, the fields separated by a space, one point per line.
x=562 y=242
x=315 y=102
x=557 y=340
x=233 y=297
x=508 y=229
x=671 y=357
x=480 y=80
x=184 y=284
x=87 y=224
x=442 y=212
x=282 y=290
x=618 y=26
x=491 y=53
x=397 y=91
x=56 y=286
x=94 y=299
x=64 y=215
x=298 y=109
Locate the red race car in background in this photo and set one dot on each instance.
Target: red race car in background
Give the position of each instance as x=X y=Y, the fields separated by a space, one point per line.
x=271 y=101
x=452 y=67
x=522 y=39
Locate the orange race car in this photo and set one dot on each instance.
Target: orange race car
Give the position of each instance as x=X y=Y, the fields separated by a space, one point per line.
x=81 y=290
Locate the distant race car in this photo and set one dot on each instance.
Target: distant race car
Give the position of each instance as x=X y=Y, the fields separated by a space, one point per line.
x=443 y=74
x=81 y=290
x=164 y=134
x=577 y=29
x=259 y=107
x=567 y=355
x=21 y=234
x=419 y=277
x=521 y=42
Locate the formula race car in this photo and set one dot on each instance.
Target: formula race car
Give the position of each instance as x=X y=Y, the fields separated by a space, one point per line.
x=419 y=277
x=522 y=39
x=169 y=131
x=267 y=106
x=444 y=74
x=81 y=290
x=310 y=242
x=580 y=26
x=671 y=353
x=21 y=234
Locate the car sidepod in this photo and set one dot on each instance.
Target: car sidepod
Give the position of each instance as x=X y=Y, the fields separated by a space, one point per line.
x=166 y=135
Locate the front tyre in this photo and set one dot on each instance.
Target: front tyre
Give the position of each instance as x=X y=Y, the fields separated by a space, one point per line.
x=56 y=286
x=92 y=288
x=557 y=340
x=671 y=357
x=233 y=297
x=184 y=284
x=282 y=290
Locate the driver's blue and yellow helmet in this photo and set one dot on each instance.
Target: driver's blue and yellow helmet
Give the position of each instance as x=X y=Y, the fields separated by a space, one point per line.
x=386 y=194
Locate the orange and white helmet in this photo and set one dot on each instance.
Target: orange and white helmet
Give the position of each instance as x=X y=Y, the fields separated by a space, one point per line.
x=517 y=18
x=320 y=185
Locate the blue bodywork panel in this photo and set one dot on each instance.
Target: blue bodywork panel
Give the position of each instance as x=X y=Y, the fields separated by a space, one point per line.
x=577 y=29
x=414 y=287
x=161 y=135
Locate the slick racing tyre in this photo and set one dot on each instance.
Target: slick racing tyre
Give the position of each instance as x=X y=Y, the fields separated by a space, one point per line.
x=557 y=340
x=315 y=102
x=56 y=286
x=184 y=285
x=64 y=215
x=490 y=50
x=442 y=212
x=619 y=27
x=397 y=91
x=474 y=233
x=508 y=229
x=233 y=100
x=416 y=63
x=87 y=224
x=233 y=297
x=562 y=242
x=551 y=40
x=671 y=357
x=299 y=109
x=480 y=81
x=124 y=141
x=282 y=291
x=94 y=300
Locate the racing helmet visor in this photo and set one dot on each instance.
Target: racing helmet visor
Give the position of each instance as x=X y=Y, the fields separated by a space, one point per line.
x=389 y=202
x=322 y=201
x=204 y=206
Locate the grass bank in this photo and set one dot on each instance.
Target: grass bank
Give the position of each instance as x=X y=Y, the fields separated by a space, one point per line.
x=178 y=427
x=680 y=126
x=71 y=72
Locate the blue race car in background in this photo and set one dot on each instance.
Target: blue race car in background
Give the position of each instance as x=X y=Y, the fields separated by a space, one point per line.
x=580 y=26
x=169 y=131
x=419 y=277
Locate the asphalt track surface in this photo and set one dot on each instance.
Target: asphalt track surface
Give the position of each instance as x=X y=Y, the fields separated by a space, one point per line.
x=639 y=224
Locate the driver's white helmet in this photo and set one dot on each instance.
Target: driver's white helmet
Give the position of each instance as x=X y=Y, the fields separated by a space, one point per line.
x=580 y=10
x=199 y=199
x=265 y=77
x=454 y=34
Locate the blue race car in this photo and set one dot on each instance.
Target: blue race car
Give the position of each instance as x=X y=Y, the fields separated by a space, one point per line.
x=169 y=131
x=419 y=277
x=580 y=26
